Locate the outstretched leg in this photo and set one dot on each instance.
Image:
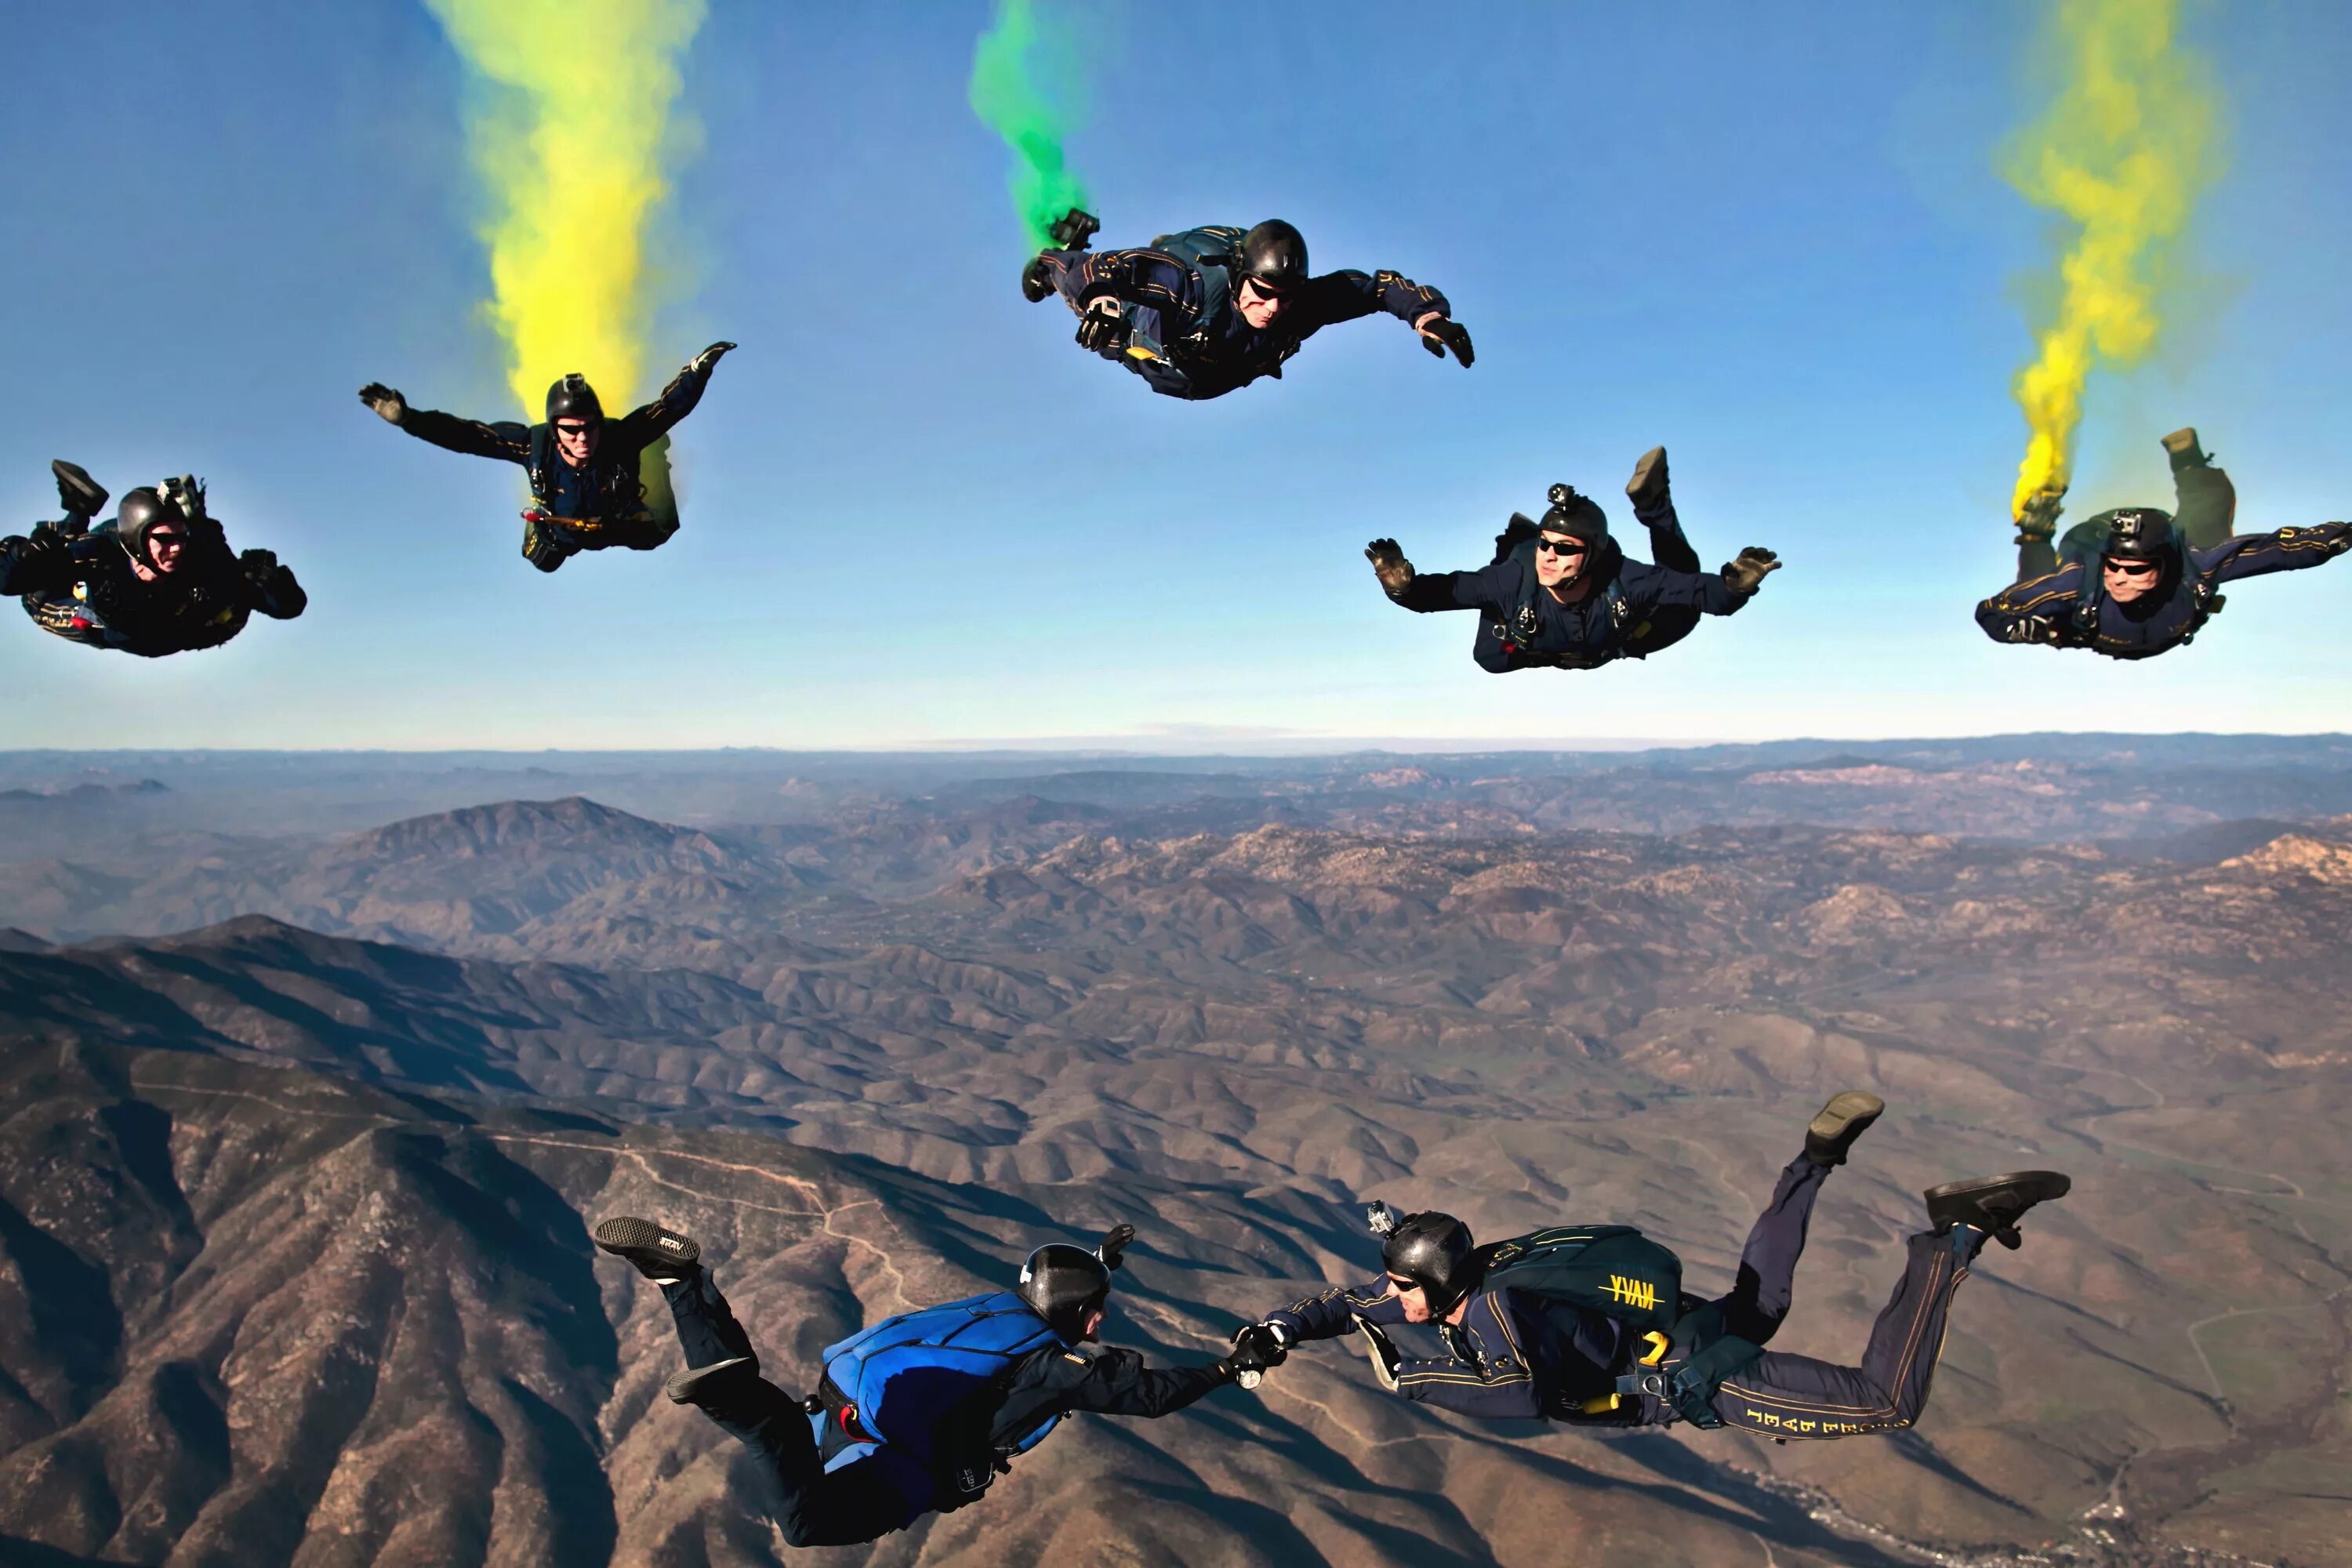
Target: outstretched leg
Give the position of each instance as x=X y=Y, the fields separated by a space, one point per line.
x=863 y=1500
x=2205 y=502
x=1653 y=509
x=1797 y=1397
x=1760 y=1297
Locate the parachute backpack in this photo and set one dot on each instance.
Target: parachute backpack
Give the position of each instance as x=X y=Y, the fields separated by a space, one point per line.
x=913 y=1382
x=1617 y=1272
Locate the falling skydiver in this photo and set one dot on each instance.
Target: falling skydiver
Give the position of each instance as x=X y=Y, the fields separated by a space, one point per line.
x=586 y=474
x=1560 y=594
x=1199 y=313
x=157 y=578
x=1588 y=1324
x=918 y=1414
x=2137 y=581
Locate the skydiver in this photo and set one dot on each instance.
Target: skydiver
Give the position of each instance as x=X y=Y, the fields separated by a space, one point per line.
x=1561 y=593
x=587 y=486
x=156 y=578
x=1199 y=313
x=919 y=1413
x=1588 y=1325
x=2137 y=581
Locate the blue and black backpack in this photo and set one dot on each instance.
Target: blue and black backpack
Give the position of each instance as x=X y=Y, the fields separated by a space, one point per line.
x=916 y=1384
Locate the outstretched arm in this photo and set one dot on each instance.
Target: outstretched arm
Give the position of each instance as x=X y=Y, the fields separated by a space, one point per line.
x=1344 y=295
x=270 y=587
x=2288 y=550
x=1488 y=588
x=506 y=441
x=1332 y=1312
x=2035 y=611
x=677 y=399
x=1109 y=1382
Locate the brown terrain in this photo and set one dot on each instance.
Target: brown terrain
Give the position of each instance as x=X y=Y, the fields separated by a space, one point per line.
x=293 y=1264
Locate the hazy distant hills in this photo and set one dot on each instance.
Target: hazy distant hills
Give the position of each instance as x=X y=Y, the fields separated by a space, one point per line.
x=292 y=1203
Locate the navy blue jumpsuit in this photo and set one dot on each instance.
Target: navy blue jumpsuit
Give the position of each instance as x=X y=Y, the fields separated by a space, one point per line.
x=1187 y=337
x=1516 y=1354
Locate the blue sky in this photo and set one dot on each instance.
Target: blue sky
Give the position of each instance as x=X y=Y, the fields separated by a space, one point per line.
x=1771 y=237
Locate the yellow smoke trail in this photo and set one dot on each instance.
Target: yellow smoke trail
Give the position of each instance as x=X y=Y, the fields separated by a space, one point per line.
x=572 y=150
x=2122 y=153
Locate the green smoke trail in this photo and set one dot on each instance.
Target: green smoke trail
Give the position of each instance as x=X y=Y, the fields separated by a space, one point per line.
x=1007 y=97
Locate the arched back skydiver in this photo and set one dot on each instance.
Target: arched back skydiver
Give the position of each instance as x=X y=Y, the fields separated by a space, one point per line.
x=1589 y=1325
x=919 y=1413
x=585 y=472
x=157 y=578
x=1561 y=593
x=1199 y=313
x=2135 y=582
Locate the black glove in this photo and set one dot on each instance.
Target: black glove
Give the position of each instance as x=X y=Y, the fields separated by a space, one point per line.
x=1105 y=332
x=389 y=405
x=1258 y=1347
x=1113 y=1248
x=1391 y=567
x=257 y=565
x=2033 y=629
x=43 y=562
x=701 y=363
x=1755 y=564
x=1446 y=332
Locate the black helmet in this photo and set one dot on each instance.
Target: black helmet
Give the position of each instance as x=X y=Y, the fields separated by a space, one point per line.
x=573 y=399
x=1272 y=256
x=142 y=509
x=2141 y=533
x=1064 y=1284
x=1578 y=517
x=1432 y=1250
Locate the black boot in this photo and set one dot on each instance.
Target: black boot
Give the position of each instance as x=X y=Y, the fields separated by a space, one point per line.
x=1648 y=490
x=1840 y=1122
x=82 y=497
x=1994 y=1204
x=2181 y=448
x=655 y=1253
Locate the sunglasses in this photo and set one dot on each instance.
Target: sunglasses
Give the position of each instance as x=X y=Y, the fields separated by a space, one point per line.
x=1402 y=1287
x=573 y=426
x=1561 y=546
x=2134 y=568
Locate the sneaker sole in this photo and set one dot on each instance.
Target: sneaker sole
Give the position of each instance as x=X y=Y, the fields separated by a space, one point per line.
x=1852 y=1109
x=2181 y=441
x=636 y=1240
x=1650 y=462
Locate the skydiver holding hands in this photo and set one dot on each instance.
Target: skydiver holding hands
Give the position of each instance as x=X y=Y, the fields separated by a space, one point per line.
x=1561 y=593
x=1588 y=1324
x=157 y=578
x=919 y=1413
x=2137 y=581
x=586 y=483
x=1199 y=313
